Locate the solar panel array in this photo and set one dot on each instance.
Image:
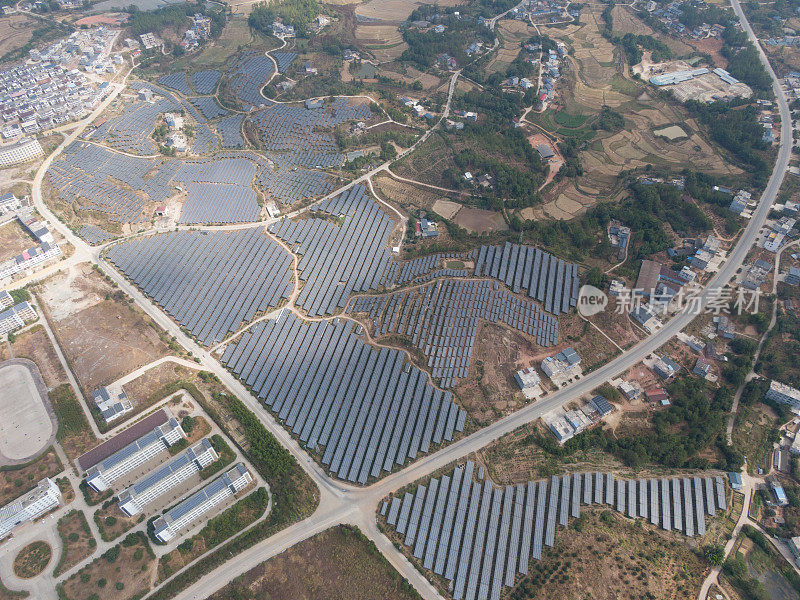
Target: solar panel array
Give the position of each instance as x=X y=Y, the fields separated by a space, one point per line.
x=217 y=203
x=230 y=129
x=247 y=76
x=284 y=60
x=297 y=128
x=205 y=82
x=209 y=282
x=417 y=269
x=479 y=537
x=369 y=408
x=91 y=175
x=176 y=81
x=209 y=107
x=93 y=234
x=442 y=318
x=338 y=259
x=131 y=130
x=541 y=275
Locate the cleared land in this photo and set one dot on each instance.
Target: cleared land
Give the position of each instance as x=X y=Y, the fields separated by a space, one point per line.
x=338 y=563
x=34 y=344
x=13 y=240
x=15 y=31
x=102 y=335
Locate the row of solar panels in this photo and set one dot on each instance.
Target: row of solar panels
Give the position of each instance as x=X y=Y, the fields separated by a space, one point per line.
x=479 y=537
x=369 y=408
x=94 y=235
x=247 y=76
x=296 y=128
x=544 y=277
x=402 y=273
x=210 y=283
x=219 y=203
x=339 y=259
x=442 y=320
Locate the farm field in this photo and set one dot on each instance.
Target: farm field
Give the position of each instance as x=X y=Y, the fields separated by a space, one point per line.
x=594 y=78
x=337 y=563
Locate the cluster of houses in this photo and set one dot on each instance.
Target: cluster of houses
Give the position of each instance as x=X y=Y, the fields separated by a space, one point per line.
x=670 y=14
x=572 y=422
x=618 y=236
x=544 y=11
x=765 y=118
x=741 y=204
x=780 y=230
x=45 y=92
x=419 y=109
x=91 y=48
x=199 y=32
x=560 y=368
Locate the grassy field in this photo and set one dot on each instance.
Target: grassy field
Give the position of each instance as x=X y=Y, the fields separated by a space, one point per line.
x=338 y=563
x=32 y=559
x=76 y=540
x=74 y=433
x=122 y=573
x=605 y=556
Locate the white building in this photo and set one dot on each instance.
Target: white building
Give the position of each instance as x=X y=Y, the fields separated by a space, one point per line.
x=15 y=317
x=43 y=498
x=528 y=380
x=112 y=403
x=20 y=152
x=783 y=394
x=191 y=509
x=102 y=475
x=158 y=482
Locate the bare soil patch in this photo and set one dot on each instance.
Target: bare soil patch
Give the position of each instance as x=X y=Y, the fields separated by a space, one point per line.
x=34 y=344
x=13 y=240
x=102 y=334
x=480 y=220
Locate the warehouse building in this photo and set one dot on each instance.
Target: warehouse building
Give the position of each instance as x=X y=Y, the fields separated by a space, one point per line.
x=158 y=482
x=142 y=447
x=43 y=498
x=191 y=509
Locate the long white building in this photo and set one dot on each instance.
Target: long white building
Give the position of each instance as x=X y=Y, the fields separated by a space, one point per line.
x=155 y=484
x=784 y=394
x=102 y=475
x=43 y=498
x=191 y=509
